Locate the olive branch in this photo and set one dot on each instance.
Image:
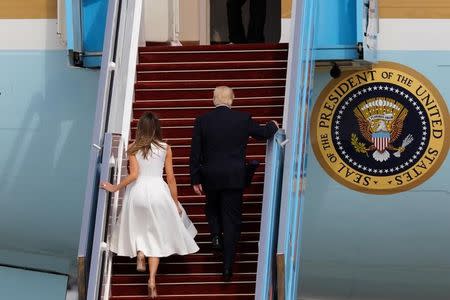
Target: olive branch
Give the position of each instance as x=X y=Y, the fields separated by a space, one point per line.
x=357 y=145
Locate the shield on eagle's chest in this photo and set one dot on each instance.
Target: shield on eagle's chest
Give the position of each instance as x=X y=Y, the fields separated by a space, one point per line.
x=381 y=140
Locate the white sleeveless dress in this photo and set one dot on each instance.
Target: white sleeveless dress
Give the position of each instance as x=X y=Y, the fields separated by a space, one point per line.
x=149 y=221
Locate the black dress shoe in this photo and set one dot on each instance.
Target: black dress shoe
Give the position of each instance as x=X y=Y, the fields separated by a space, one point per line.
x=227 y=274
x=217 y=243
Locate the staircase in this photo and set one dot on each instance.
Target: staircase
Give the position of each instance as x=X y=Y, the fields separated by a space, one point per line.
x=177 y=83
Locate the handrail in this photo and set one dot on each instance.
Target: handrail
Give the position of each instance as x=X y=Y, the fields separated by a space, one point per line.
x=113 y=113
x=120 y=115
x=99 y=244
x=122 y=94
x=266 y=274
x=100 y=124
x=113 y=213
x=300 y=77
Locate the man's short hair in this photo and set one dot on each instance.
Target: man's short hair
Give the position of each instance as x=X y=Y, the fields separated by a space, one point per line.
x=223 y=95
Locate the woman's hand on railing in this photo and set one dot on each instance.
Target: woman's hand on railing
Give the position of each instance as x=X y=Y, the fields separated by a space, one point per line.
x=109 y=187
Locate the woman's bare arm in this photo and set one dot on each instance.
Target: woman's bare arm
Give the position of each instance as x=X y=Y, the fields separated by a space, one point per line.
x=171 y=181
x=134 y=172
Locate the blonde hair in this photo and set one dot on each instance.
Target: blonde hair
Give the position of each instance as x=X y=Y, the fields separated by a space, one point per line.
x=223 y=95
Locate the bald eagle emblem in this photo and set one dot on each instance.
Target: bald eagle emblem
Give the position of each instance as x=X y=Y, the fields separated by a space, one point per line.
x=380 y=122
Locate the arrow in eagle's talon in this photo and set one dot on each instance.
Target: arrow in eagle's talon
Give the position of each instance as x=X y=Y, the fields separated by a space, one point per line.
x=408 y=140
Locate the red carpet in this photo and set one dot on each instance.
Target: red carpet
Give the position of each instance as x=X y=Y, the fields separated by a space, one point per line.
x=177 y=83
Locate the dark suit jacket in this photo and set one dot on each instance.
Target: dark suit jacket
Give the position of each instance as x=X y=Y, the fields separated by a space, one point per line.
x=219 y=145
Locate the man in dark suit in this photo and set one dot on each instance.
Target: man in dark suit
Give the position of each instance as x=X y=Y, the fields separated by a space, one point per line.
x=236 y=30
x=217 y=167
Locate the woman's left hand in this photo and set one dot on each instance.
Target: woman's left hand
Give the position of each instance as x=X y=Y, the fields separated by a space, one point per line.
x=108 y=187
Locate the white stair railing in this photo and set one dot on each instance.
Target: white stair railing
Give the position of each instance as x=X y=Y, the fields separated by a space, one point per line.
x=113 y=115
x=175 y=23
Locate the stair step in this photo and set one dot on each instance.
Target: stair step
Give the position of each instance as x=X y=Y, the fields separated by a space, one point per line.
x=192 y=297
x=184 y=160
x=245 y=217
x=176 y=132
x=263 y=91
x=184 y=151
x=184 y=288
x=170 y=278
x=245 y=236
x=186 y=141
x=186 y=179
x=201 y=199
x=169 y=122
x=247 y=226
x=184 y=168
x=250 y=226
x=202 y=84
x=201 y=218
x=217 y=47
x=193 y=113
x=253 y=220
x=205 y=257
x=200 y=208
x=206 y=56
x=152 y=104
x=196 y=257
x=172 y=122
x=188 y=268
x=208 y=74
x=255 y=188
x=243 y=247
x=155 y=67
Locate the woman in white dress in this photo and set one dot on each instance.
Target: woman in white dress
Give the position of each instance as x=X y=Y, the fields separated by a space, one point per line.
x=151 y=223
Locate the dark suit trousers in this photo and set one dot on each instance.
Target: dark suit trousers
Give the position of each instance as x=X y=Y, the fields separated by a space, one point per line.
x=224 y=210
x=236 y=30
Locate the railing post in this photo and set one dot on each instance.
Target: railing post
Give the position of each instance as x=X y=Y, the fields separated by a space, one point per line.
x=175 y=26
x=205 y=22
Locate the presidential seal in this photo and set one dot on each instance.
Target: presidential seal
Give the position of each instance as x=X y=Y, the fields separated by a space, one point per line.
x=382 y=130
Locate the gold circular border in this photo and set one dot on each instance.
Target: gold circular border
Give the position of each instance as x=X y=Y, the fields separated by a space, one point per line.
x=445 y=116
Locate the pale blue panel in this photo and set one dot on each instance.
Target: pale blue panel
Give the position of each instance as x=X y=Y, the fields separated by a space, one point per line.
x=392 y=247
x=46 y=121
x=17 y=284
